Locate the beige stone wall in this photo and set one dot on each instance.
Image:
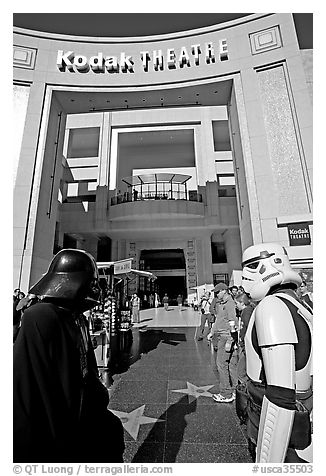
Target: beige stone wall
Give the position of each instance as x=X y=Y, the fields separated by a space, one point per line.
x=270 y=125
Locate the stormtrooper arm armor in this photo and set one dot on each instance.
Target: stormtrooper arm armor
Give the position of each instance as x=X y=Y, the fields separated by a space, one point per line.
x=276 y=337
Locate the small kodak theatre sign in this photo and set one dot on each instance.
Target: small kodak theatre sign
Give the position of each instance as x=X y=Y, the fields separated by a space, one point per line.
x=299 y=234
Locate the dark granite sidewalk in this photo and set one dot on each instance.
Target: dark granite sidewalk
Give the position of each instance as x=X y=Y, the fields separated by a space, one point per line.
x=160 y=384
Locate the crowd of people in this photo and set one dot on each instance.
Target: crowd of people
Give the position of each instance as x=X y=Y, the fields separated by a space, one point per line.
x=225 y=313
x=262 y=336
x=261 y=333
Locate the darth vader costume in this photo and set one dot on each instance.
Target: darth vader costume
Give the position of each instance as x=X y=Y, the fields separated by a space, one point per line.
x=59 y=403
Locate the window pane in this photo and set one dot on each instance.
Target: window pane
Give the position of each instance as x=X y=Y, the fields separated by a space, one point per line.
x=226 y=180
x=218 y=253
x=83 y=142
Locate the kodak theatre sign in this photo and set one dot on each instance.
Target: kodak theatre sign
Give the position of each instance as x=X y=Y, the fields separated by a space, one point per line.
x=155 y=60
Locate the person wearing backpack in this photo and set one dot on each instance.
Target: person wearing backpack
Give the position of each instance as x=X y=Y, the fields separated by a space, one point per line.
x=205 y=314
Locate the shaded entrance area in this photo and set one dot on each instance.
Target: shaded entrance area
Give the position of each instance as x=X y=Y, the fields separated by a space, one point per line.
x=170 y=269
x=172 y=285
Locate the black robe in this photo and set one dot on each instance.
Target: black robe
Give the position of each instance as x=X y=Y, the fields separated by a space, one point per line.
x=60 y=405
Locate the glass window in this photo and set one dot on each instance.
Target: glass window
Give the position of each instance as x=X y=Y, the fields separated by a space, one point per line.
x=218 y=253
x=83 y=142
x=221 y=135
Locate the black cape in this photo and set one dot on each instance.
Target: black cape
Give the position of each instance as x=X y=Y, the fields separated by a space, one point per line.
x=59 y=403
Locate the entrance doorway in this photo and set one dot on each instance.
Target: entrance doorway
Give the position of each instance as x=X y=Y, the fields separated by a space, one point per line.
x=172 y=286
x=169 y=266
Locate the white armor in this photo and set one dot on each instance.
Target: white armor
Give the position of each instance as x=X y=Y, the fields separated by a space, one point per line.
x=265 y=266
x=274 y=339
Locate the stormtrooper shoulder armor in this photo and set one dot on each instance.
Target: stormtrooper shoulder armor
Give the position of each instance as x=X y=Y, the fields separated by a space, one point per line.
x=274 y=323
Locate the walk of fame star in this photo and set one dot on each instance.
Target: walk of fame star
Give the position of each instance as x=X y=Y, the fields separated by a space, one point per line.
x=132 y=421
x=194 y=391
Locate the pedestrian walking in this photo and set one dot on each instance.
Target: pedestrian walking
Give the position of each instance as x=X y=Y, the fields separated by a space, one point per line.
x=245 y=306
x=16 y=313
x=205 y=315
x=165 y=301
x=151 y=300
x=224 y=331
x=135 y=308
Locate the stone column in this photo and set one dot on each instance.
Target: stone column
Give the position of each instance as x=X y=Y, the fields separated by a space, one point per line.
x=191 y=265
x=102 y=192
x=204 y=260
x=131 y=252
x=233 y=250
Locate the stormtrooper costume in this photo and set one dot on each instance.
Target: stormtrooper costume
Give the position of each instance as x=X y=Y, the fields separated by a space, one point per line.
x=278 y=344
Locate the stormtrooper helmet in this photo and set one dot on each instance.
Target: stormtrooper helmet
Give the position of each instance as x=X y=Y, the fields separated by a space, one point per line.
x=265 y=266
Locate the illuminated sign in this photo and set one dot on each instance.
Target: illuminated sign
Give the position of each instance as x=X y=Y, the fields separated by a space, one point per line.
x=299 y=234
x=155 y=60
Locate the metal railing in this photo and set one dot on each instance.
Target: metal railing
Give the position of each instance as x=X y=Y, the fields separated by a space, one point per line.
x=126 y=197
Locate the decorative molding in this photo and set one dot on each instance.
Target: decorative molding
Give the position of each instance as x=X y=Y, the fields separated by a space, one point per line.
x=24 y=57
x=265 y=40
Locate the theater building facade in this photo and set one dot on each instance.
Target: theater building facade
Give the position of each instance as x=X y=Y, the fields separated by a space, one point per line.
x=176 y=150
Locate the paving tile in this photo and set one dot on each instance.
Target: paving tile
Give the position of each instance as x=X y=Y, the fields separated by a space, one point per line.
x=205 y=453
x=154 y=359
x=145 y=453
x=195 y=429
x=138 y=392
x=193 y=423
x=191 y=373
x=146 y=373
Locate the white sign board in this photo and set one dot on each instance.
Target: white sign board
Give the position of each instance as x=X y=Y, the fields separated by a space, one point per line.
x=123 y=266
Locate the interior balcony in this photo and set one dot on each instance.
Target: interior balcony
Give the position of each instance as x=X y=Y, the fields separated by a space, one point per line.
x=156 y=195
x=129 y=206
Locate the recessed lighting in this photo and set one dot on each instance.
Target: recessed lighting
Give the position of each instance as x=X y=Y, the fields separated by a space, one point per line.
x=72 y=100
x=215 y=92
x=179 y=97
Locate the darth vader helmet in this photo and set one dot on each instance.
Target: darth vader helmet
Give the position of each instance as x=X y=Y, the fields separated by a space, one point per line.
x=72 y=278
